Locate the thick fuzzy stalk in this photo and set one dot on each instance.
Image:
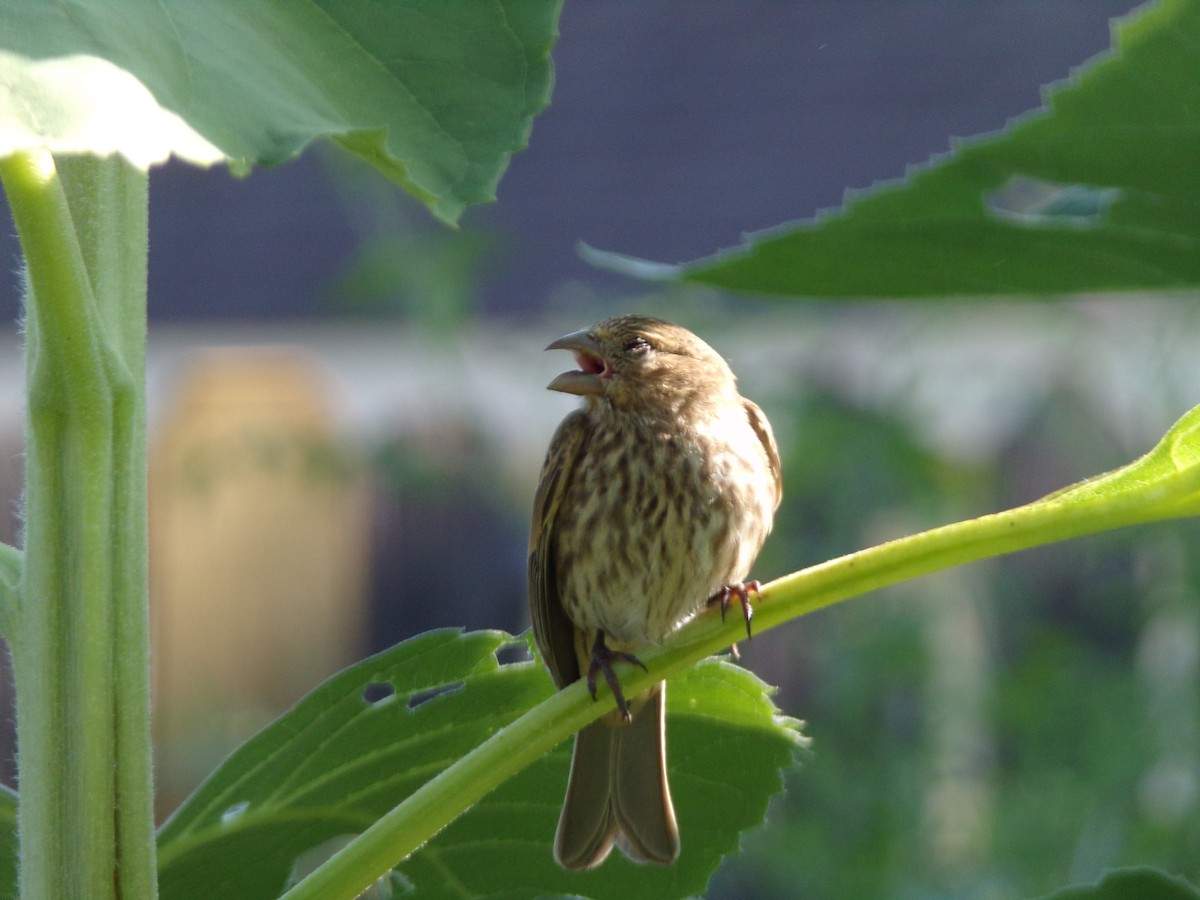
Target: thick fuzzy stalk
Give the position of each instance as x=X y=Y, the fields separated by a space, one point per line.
x=79 y=632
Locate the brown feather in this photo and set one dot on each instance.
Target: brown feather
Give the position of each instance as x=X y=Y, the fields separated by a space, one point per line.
x=552 y=630
x=762 y=428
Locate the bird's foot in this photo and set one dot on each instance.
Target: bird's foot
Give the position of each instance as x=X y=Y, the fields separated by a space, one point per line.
x=741 y=590
x=602 y=660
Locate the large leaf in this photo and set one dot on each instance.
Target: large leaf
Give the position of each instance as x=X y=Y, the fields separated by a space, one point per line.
x=369 y=736
x=1099 y=190
x=436 y=95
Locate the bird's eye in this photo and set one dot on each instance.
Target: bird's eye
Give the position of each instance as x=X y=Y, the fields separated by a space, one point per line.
x=638 y=345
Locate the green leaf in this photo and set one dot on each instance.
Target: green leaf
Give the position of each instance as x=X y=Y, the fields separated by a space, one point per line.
x=1098 y=191
x=369 y=736
x=436 y=96
x=1165 y=482
x=1139 y=883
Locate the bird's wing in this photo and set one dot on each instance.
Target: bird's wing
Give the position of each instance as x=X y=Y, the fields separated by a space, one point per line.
x=553 y=631
x=762 y=428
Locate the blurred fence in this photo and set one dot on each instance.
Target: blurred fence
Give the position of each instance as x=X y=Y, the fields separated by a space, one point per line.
x=259 y=521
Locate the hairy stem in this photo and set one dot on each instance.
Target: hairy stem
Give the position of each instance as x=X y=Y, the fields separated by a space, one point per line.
x=80 y=634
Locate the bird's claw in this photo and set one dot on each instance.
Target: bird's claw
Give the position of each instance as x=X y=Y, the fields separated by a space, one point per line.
x=725 y=595
x=602 y=659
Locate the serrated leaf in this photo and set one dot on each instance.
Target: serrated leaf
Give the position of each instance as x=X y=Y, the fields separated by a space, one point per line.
x=343 y=756
x=1141 y=883
x=338 y=760
x=436 y=96
x=1098 y=191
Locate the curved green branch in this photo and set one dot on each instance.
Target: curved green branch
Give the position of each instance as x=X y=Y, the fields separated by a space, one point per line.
x=1163 y=484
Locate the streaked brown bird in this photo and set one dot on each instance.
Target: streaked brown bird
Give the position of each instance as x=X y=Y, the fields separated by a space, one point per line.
x=654 y=500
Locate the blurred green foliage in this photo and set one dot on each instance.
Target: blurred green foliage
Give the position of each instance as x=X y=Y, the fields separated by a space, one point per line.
x=403 y=265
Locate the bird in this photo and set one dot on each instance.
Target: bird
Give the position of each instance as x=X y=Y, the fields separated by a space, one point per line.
x=654 y=500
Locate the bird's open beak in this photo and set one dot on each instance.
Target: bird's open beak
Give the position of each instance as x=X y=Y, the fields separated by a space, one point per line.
x=587 y=379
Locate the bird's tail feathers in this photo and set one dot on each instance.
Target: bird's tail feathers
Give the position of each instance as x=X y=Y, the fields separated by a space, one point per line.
x=618 y=790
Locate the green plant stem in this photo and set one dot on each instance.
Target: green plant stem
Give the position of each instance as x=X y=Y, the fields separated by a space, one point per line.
x=80 y=636
x=109 y=205
x=1163 y=484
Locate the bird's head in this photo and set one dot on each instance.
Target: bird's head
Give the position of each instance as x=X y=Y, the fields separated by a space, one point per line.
x=641 y=362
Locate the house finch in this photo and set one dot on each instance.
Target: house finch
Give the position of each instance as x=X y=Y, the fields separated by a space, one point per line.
x=655 y=498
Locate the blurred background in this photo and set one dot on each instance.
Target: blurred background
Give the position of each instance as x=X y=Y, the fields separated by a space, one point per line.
x=348 y=415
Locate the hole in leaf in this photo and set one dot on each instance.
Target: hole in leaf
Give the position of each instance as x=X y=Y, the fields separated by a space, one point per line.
x=513 y=652
x=418 y=698
x=377 y=692
x=234 y=812
x=1032 y=201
